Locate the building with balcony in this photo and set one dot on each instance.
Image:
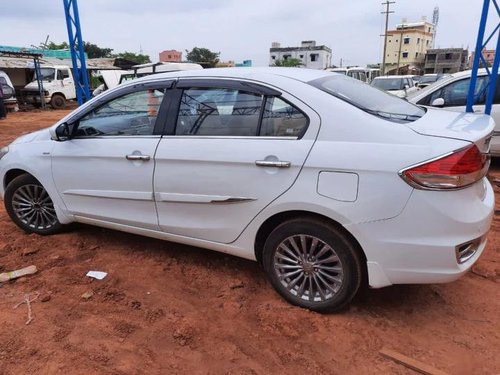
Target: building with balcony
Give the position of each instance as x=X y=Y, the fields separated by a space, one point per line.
x=445 y=60
x=311 y=55
x=408 y=44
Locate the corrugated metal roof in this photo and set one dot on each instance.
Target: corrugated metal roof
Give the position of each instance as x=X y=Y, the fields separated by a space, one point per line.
x=25 y=63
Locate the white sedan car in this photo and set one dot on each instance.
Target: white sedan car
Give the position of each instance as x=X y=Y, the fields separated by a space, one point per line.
x=400 y=86
x=451 y=93
x=324 y=180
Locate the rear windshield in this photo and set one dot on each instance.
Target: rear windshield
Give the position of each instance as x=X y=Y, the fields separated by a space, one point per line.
x=388 y=83
x=368 y=99
x=428 y=79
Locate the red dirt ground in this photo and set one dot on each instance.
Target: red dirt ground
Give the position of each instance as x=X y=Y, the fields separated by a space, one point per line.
x=166 y=308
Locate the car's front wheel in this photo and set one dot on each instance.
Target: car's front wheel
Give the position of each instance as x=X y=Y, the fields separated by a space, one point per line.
x=30 y=206
x=312 y=264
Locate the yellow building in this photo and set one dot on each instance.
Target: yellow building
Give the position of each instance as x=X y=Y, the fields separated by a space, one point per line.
x=408 y=44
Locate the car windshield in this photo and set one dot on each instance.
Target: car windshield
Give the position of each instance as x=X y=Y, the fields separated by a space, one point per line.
x=47 y=74
x=388 y=83
x=369 y=99
x=428 y=79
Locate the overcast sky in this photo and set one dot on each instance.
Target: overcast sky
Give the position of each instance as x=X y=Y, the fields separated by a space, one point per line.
x=238 y=29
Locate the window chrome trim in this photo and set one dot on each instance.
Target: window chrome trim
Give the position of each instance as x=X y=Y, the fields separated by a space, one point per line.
x=253 y=137
x=157 y=136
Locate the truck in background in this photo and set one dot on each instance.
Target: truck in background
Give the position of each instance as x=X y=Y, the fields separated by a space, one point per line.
x=58 y=87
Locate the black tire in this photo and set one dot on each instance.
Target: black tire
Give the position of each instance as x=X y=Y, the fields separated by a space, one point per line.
x=58 y=101
x=30 y=207
x=339 y=246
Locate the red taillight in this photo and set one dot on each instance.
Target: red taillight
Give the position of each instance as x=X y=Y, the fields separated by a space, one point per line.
x=457 y=170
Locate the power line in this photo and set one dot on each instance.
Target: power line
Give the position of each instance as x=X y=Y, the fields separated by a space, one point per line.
x=387 y=3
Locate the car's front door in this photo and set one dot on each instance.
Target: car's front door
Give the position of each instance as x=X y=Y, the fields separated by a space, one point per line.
x=105 y=171
x=231 y=151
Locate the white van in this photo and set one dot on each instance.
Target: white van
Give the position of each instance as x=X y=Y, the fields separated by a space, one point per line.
x=355 y=72
x=58 y=87
x=9 y=93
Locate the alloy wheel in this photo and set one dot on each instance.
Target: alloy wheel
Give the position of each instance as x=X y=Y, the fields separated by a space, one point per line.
x=33 y=207
x=308 y=268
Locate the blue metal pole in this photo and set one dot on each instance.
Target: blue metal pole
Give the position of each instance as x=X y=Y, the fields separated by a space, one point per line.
x=477 y=54
x=77 y=56
x=39 y=81
x=493 y=80
x=67 y=13
x=83 y=66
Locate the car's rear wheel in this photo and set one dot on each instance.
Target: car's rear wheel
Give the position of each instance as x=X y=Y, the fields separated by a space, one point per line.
x=30 y=206
x=312 y=264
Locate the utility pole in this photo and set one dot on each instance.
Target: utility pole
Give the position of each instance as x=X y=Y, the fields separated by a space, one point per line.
x=400 y=42
x=387 y=12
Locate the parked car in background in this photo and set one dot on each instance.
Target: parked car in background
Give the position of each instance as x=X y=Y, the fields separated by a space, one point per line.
x=426 y=80
x=324 y=180
x=9 y=93
x=429 y=79
x=451 y=93
x=58 y=87
x=400 y=86
x=373 y=73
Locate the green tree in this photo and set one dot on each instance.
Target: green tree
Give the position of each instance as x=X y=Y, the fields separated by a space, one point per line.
x=52 y=45
x=203 y=56
x=135 y=57
x=94 y=52
x=290 y=63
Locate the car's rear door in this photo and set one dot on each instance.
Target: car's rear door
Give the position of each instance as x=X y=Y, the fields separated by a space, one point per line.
x=231 y=148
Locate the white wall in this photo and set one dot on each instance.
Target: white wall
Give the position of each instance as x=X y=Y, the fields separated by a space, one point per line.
x=323 y=59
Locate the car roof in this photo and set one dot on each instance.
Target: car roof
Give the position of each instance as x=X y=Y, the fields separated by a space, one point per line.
x=467 y=73
x=299 y=74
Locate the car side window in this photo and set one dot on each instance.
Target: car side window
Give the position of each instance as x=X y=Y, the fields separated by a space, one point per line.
x=65 y=73
x=455 y=94
x=218 y=112
x=281 y=119
x=133 y=114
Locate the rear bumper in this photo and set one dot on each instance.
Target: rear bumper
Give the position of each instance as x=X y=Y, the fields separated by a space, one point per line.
x=419 y=246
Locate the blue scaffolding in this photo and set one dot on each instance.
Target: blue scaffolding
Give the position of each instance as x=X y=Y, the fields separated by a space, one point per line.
x=492 y=73
x=77 y=54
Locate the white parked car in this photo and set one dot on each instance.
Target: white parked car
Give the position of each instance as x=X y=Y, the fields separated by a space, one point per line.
x=451 y=93
x=323 y=179
x=400 y=86
x=9 y=92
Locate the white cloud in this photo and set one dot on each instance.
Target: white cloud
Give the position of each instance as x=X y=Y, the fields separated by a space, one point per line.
x=238 y=29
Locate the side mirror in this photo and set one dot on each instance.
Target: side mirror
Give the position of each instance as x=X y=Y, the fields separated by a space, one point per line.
x=407 y=87
x=63 y=132
x=438 y=102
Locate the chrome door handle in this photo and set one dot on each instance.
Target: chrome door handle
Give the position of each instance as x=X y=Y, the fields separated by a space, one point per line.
x=138 y=157
x=271 y=163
